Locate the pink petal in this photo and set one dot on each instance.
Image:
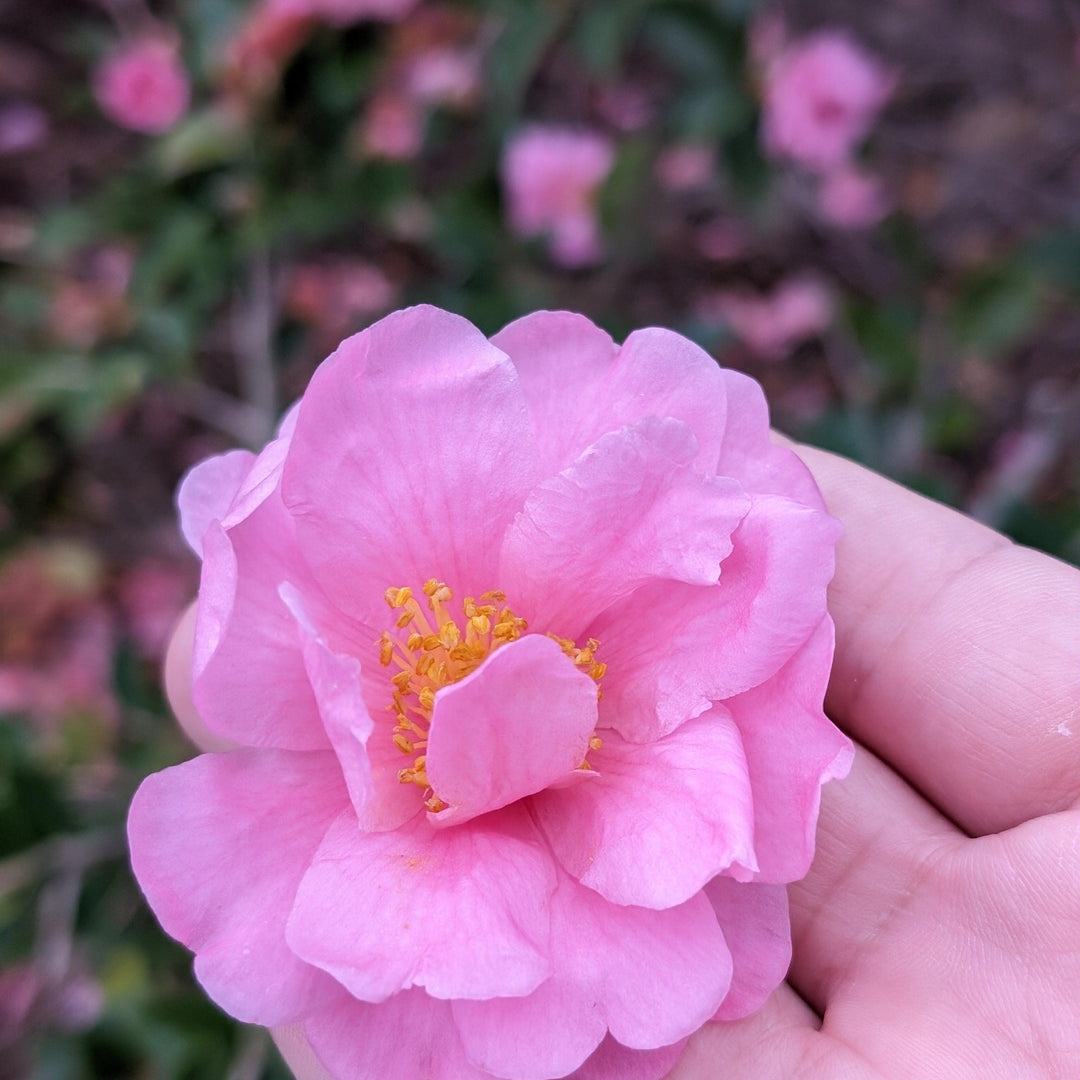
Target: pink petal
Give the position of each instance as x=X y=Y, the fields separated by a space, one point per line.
x=461 y=912
x=579 y=385
x=411 y=455
x=250 y=684
x=661 y=818
x=207 y=491
x=629 y=509
x=650 y=977
x=407 y=1037
x=615 y=1062
x=219 y=845
x=754 y=918
x=749 y=454
x=336 y=682
x=520 y=722
x=673 y=649
x=792 y=748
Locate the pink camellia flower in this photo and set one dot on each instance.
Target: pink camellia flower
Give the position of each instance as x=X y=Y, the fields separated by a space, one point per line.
x=524 y=644
x=551 y=177
x=853 y=199
x=772 y=324
x=144 y=87
x=822 y=96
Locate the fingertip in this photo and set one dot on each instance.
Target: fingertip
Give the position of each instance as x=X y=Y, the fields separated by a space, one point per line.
x=177 y=678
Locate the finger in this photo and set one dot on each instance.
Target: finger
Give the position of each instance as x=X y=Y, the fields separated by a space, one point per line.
x=958 y=653
x=877 y=841
x=178 y=686
x=779 y=1042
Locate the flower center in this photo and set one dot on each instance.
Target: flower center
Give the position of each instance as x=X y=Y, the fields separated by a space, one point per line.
x=432 y=649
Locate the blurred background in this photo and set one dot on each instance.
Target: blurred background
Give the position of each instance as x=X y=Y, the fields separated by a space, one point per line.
x=872 y=208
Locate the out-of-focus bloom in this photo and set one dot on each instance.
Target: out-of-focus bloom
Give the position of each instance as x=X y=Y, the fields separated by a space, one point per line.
x=852 y=198
x=85 y=311
x=144 y=86
x=392 y=127
x=443 y=76
x=822 y=96
x=333 y=294
x=527 y=687
x=23 y=126
x=551 y=179
x=685 y=166
x=773 y=324
x=152 y=595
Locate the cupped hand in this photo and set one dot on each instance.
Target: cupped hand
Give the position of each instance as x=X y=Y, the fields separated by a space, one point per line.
x=937 y=936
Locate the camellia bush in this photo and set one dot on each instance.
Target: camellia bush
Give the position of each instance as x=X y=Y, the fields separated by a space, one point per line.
x=869 y=209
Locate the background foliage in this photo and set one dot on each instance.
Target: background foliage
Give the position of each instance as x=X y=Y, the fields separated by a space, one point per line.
x=162 y=297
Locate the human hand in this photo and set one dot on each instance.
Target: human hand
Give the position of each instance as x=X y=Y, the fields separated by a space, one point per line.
x=938 y=933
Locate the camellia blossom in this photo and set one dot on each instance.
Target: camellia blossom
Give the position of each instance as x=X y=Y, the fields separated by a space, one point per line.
x=144 y=87
x=551 y=178
x=773 y=324
x=523 y=643
x=822 y=95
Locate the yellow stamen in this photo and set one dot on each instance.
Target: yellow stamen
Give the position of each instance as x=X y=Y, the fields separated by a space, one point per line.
x=437 y=652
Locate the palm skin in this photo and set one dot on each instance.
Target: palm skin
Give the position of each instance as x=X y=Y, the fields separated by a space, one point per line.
x=937 y=936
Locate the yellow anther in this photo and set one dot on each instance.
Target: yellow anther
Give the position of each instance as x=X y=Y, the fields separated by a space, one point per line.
x=449 y=634
x=480 y=623
x=403 y=744
x=414 y=641
x=427 y=698
x=386 y=650
x=596 y=742
x=432 y=642
x=598 y=671
x=404 y=619
x=398 y=597
x=401 y=680
x=494 y=594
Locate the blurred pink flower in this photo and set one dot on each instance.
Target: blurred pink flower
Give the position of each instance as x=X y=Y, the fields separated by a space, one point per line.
x=437 y=840
x=625 y=107
x=851 y=198
x=822 y=96
x=551 y=179
x=443 y=76
x=685 y=166
x=722 y=239
x=773 y=324
x=23 y=126
x=144 y=86
x=334 y=293
x=392 y=127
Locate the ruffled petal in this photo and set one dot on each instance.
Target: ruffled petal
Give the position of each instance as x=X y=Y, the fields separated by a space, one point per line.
x=249 y=680
x=615 y=1062
x=520 y=722
x=207 y=491
x=748 y=452
x=754 y=918
x=219 y=845
x=580 y=385
x=412 y=454
x=461 y=912
x=661 y=818
x=651 y=978
x=792 y=748
x=629 y=509
x=407 y=1037
x=673 y=649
